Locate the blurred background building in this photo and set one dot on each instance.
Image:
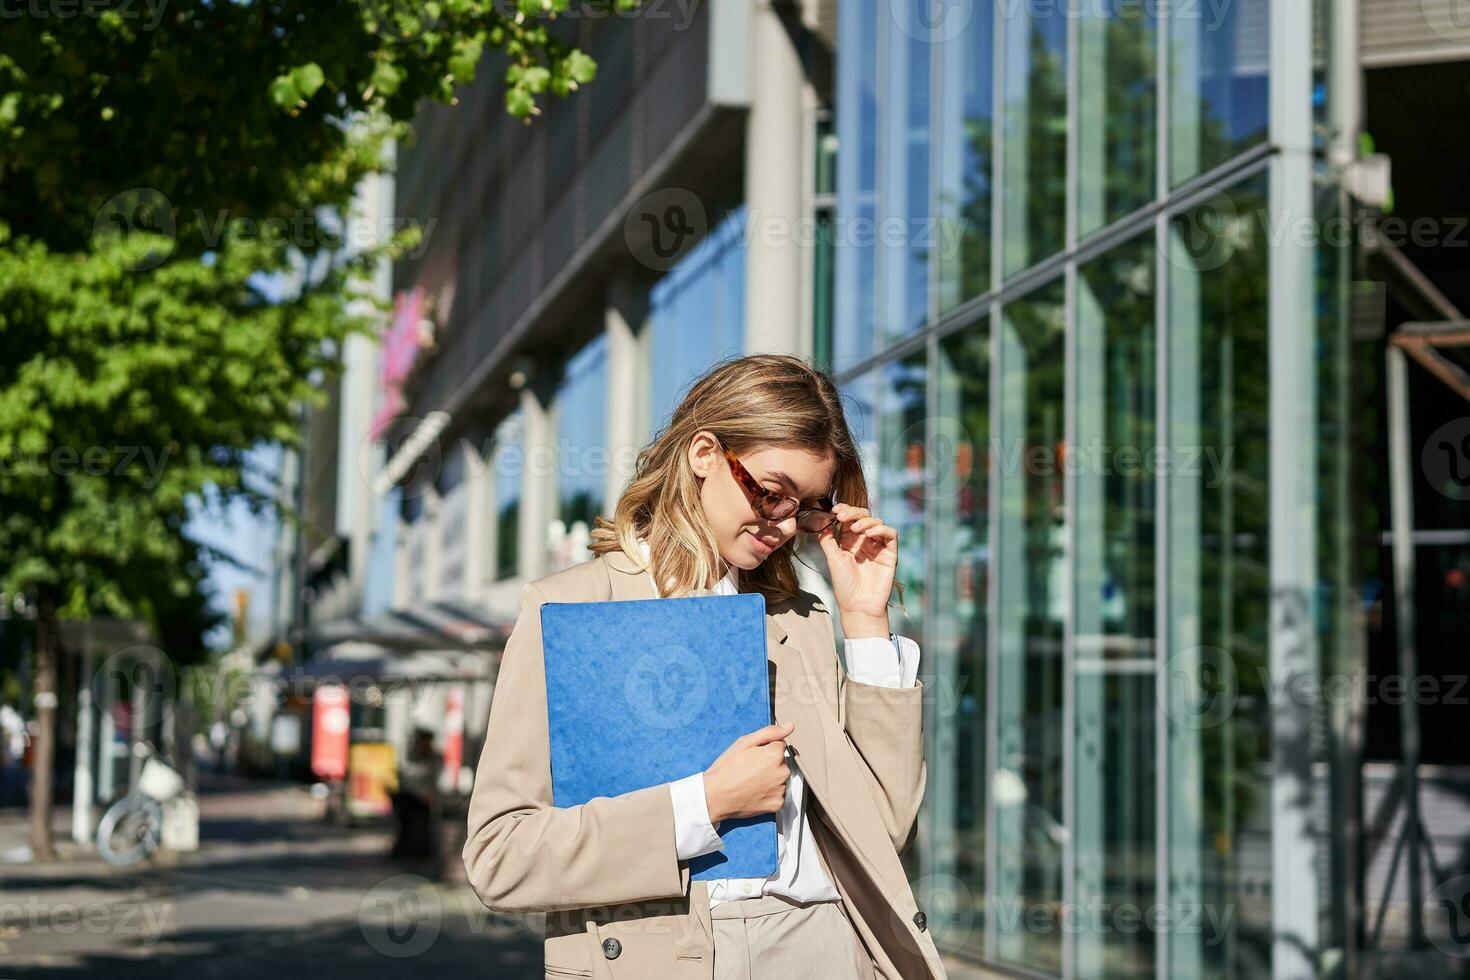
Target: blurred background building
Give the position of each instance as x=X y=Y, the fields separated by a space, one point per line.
x=1154 y=367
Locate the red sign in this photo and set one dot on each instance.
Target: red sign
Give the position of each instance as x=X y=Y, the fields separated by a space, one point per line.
x=453 y=736
x=331 y=718
x=400 y=349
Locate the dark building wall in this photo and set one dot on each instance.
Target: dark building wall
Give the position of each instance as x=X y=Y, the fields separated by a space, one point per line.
x=523 y=216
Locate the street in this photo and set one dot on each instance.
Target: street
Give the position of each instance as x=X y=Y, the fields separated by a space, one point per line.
x=273 y=891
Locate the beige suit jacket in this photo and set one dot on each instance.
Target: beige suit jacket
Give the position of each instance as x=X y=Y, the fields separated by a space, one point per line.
x=619 y=904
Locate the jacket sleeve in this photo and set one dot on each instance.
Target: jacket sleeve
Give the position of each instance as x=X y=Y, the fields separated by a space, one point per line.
x=524 y=855
x=885 y=726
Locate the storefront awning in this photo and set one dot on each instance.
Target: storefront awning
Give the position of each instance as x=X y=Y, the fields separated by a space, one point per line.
x=354 y=661
x=444 y=625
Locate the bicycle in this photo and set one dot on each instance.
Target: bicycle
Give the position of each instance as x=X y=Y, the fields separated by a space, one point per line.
x=132 y=828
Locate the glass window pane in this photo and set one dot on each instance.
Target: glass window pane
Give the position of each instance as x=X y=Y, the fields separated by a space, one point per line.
x=696 y=315
x=885 y=410
x=1217 y=708
x=1031 y=611
x=581 y=437
x=960 y=639
x=904 y=234
x=902 y=487
x=1034 y=116
x=1218 y=83
x=1117 y=61
x=965 y=133
x=857 y=172
x=824 y=248
x=509 y=466
x=1114 y=659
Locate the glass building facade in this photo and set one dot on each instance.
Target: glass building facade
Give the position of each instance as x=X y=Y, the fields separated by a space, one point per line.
x=696 y=315
x=1092 y=379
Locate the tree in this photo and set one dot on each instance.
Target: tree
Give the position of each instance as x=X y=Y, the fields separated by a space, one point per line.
x=167 y=175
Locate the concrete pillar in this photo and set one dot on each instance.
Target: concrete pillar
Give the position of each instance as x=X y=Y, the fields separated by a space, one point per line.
x=402 y=565
x=538 y=478
x=432 y=529
x=775 y=163
x=625 y=319
x=83 y=812
x=479 y=523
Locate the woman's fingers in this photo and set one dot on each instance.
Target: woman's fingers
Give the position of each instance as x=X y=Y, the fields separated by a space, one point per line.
x=771 y=733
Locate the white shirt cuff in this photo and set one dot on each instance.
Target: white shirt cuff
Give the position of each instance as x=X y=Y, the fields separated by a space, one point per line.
x=693 y=833
x=883 y=663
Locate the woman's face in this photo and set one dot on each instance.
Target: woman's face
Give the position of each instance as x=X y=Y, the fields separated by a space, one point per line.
x=745 y=538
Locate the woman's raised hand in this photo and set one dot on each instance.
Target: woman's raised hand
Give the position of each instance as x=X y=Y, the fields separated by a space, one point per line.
x=749 y=778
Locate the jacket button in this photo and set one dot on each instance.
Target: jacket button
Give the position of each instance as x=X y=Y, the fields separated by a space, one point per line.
x=920 y=921
x=611 y=948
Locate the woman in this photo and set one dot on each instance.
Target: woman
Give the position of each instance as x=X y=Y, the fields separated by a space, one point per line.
x=756 y=453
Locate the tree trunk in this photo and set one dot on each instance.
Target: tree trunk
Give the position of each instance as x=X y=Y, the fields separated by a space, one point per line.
x=43 y=759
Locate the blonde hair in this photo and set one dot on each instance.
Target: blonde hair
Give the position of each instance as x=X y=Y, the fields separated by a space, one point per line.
x=747 y=402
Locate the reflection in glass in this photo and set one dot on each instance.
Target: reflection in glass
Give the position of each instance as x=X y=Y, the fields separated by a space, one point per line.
x=887 y=414
x=904 y=241
x=1218 y=83
x=1034 y=114
x=964 y=135
x=508 y=465
x=857 y=179
x=696 y=315
x=1117 y=61
x=581 y=431
x=1114 y=653
x=824 y=244
x=902 y=490
x=1031 y=611
x=957 y=736
x=1217 y=710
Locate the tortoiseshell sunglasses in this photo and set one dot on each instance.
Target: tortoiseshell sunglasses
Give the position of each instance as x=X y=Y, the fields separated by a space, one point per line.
x=813 y=515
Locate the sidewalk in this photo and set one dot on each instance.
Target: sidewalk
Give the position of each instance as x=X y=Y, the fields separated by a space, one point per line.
x=274 y=890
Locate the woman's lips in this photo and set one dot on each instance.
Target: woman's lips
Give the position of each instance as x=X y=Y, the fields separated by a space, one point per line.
x=761 y=547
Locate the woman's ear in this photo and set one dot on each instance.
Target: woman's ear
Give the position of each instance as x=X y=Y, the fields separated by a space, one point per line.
x=703 y=451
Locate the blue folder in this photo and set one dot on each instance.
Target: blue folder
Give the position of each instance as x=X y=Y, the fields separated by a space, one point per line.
x=643 y=691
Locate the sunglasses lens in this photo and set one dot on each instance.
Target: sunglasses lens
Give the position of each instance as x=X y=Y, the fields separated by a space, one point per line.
x=778 y=510
x=814 y=521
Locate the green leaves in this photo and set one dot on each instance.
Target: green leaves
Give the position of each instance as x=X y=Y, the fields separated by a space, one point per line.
x=291 y=90
x=467 y=53
x=308 y=79
x=145 y=161
x=386 y=78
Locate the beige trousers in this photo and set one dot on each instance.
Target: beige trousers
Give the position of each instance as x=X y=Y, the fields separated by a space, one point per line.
x=774 y=938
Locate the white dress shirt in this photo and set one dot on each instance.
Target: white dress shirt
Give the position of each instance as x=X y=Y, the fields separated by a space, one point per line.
x=799 y=875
